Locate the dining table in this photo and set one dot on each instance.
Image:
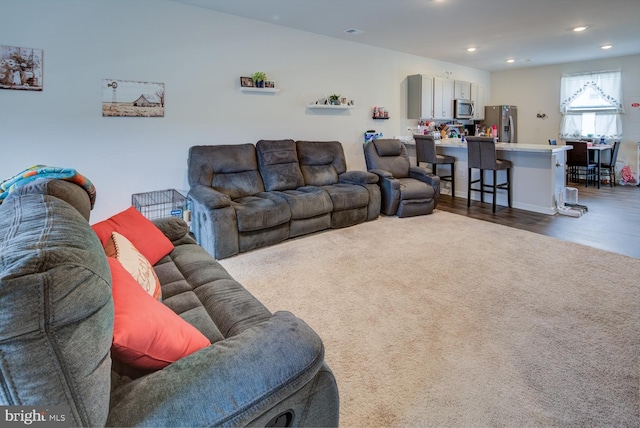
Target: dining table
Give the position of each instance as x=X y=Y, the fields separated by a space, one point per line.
x=597 y=150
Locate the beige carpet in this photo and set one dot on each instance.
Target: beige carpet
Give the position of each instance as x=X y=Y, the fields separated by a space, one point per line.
x=442 y=320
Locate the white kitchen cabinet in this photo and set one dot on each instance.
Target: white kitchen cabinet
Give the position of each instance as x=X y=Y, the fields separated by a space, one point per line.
x=462 y=90
x=477 y=96
x=420 y=97
x=443 y=93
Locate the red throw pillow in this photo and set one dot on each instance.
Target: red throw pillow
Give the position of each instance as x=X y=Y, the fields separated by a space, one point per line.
x=146 y=333
x=143 y=234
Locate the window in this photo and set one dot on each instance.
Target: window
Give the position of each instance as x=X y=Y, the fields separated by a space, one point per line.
x=591 y=104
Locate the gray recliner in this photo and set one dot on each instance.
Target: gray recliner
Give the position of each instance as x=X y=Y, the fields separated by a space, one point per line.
x=246 y=197
x=56 y=332
x=235 y=214
x=406 y=190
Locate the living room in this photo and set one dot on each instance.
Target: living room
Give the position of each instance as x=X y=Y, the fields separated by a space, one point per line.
x=180 y=46
x=200 y=56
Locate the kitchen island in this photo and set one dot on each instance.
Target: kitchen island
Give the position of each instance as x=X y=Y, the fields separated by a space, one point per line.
x=537 y=176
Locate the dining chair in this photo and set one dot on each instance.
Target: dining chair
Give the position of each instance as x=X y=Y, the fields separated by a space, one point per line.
x=579 y=163
x=426 y=152
x=608 y=166
x=481 y=154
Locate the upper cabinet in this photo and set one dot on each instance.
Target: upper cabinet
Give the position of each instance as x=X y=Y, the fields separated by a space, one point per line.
x=477 y=96
x=462 y=90
x=443 y=95
x=420 y=97
x=432 y=97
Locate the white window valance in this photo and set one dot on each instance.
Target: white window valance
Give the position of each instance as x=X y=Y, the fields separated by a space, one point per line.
x=591 y=104
x=607 y=84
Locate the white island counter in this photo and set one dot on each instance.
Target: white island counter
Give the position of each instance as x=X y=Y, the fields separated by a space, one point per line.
x=538 y=173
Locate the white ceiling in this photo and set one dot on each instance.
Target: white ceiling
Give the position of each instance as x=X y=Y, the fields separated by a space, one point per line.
x=532 y=32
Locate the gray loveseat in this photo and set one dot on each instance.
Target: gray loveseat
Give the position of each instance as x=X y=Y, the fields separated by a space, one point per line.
x=249 y=196
x=56 y=329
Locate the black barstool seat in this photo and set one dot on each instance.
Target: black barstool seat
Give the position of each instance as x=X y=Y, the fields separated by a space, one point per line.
x=426 y=152
x=481 y=154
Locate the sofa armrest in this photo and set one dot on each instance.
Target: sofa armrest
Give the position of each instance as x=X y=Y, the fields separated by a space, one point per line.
x=209 y=197
x=424 y=175
x=173 y=228
x=358 y=177
x=381 y=173
x=229 y=383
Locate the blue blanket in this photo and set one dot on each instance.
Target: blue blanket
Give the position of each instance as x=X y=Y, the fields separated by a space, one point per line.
x=43 y=171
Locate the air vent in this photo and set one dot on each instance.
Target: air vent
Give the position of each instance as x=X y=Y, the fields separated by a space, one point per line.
x=353 y=31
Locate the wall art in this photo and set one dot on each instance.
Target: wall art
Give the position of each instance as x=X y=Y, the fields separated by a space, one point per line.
x=20 y=68
x=246 y=82
x=129 y=98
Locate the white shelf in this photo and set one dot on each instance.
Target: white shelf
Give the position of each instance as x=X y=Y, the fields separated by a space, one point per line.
x=249 y=89
x=327 y=106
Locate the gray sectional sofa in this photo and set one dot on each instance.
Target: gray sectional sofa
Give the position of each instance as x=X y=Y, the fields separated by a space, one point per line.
x=57 y=326
x=248 y=196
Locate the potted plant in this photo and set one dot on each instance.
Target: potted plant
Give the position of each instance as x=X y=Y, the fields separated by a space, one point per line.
x=334 y=100
x=258 y=79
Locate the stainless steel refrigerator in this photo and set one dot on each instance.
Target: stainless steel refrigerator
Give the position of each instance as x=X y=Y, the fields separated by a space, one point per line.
x=506 y=119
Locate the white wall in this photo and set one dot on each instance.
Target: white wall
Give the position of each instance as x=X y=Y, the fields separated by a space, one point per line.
x=199 y=55
x=537 y=90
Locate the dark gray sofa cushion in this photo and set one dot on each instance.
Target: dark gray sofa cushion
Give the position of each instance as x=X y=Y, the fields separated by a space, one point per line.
x=202 y=292
x=56 y=324
x=229 y=169
x=278 y=164
x=347 y=196
x=262 y=211
x=307 y=201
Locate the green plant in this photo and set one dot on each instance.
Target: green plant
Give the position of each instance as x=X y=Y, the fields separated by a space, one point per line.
x=334 y=97
x=259 y=76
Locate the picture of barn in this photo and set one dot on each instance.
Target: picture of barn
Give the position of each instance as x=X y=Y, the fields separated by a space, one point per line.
x=128 y=98
x=147 y=100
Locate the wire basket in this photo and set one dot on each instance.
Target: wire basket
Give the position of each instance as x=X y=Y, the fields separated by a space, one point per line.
x=160 y=203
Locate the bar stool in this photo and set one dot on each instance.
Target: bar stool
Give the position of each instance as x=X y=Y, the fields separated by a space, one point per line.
x=481 y=154
x=426 y=152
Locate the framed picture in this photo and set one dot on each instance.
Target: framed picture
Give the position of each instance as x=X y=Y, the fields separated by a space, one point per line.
x=20 y=68
x=269 y=83
x=246 y=82
x=129 y=98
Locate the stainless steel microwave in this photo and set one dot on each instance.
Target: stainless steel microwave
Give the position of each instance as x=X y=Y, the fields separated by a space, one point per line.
x=462 y=109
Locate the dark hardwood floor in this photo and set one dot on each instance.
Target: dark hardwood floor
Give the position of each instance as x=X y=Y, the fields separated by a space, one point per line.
x=612 y=222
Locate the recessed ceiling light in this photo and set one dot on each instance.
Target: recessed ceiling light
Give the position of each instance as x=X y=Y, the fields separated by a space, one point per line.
x=578 y=29
x=471 y=49
x=606 y=47
x=353 y=31
x=511 y=60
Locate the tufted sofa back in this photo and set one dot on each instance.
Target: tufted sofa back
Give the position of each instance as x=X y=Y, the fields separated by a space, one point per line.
x=278 y=163
x=231 y=169
x=321 y=162
x=57 y=313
